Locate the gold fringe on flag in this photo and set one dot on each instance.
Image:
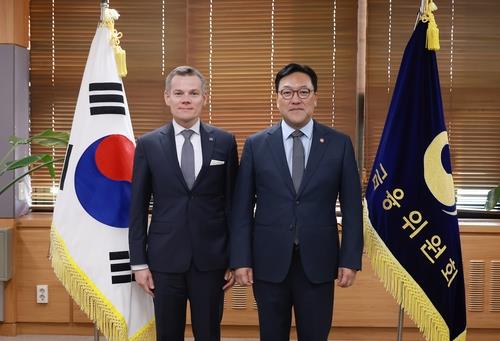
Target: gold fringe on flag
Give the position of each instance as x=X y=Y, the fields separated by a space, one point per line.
x=398 y=282
x=90 y=299
x=432 y=41
x=110 y=15
x=146 y=333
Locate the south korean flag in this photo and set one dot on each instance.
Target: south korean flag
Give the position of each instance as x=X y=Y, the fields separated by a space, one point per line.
x=89 y=235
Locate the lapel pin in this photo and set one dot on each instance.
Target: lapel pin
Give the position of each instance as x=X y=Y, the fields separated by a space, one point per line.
x=321 y=140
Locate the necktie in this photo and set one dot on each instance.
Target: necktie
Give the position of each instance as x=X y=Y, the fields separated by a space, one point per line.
x=187 y=158
x=297 y=159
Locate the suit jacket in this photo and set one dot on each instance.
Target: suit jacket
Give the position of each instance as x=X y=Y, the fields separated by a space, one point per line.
x=186 y=225
x=265 y=240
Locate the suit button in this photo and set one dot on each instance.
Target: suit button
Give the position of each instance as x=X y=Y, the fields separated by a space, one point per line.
x=297 y=202
x=292 y=227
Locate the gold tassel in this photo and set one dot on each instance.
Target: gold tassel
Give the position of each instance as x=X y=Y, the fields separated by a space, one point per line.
x=432 y=41
x=110 y=15
x=432 y=36
x=121 y=61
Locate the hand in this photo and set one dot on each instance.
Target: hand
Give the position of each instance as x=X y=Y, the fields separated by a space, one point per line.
x=244 y=276
x=229 y=277
x=145 y=281
x=346 y=277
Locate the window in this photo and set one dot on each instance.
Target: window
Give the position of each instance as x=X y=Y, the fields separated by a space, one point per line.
x=239 y=47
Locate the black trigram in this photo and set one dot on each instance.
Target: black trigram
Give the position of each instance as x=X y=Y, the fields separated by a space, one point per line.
x=106 y=99
x=120 y=267
x=65 y=167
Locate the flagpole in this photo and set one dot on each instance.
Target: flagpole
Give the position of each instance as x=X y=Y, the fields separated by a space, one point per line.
x=422 y=6
x=400 y=323
x=420 y=12
x=104 y=6
x=401 y=310
x=96 y=333
x=401 y=317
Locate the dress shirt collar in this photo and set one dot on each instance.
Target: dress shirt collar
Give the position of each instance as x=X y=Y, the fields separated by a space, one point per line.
x=178 y=128
x=307 y=130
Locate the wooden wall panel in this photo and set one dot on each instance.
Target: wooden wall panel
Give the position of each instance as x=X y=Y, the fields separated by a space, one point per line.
x=363 y=312
x=481 y=247
x=495 y=286
x=14 y=22
x=366 y=303
x=78 y=315
x=32 y=268
x=9 y=287
x=239 y=307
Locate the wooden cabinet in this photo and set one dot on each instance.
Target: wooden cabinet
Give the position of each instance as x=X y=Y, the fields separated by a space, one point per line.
x=363 y=312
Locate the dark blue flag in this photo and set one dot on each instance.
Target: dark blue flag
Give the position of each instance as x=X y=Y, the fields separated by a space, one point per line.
x=411 y=226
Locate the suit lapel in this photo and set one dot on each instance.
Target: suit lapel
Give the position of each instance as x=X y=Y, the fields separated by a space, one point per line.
x=318 y=146
x=168 y=144
x=207 y=148
x=275 y=141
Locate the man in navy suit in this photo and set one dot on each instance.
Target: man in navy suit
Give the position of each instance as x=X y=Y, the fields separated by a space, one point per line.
x=189 y=168
x=284 y=237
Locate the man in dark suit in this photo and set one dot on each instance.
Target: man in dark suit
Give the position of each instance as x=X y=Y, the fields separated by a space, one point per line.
x=289 y=248
x=189 y=168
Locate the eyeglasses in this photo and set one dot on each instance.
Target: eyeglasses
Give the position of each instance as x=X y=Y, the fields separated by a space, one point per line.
x=303 y=93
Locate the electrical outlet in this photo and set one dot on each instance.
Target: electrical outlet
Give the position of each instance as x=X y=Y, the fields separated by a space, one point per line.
x=42 y=293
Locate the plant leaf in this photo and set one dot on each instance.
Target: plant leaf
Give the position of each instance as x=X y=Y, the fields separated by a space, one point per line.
x=25 y=161
x=50 y=166
x=50 y=138
x=14 y=140
x=493 y=198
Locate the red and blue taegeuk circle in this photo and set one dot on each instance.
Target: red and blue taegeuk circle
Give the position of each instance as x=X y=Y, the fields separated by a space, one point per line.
x=103 y=179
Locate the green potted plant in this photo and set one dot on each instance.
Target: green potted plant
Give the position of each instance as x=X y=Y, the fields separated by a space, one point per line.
x=34 y=162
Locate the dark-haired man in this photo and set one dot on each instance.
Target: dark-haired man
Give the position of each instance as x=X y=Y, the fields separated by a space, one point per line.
x=289 y=248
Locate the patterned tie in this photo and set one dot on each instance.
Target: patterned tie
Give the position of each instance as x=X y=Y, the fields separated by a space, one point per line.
x=298 y=159
x=187 y=158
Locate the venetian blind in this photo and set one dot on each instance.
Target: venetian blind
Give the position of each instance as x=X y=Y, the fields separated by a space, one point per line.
x=61 y=34
x=238 y=45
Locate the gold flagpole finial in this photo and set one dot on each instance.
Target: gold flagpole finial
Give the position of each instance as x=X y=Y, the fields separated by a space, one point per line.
x=432 y=41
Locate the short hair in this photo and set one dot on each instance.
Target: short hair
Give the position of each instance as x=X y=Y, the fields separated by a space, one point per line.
x=292 y=68
x=184 y=71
